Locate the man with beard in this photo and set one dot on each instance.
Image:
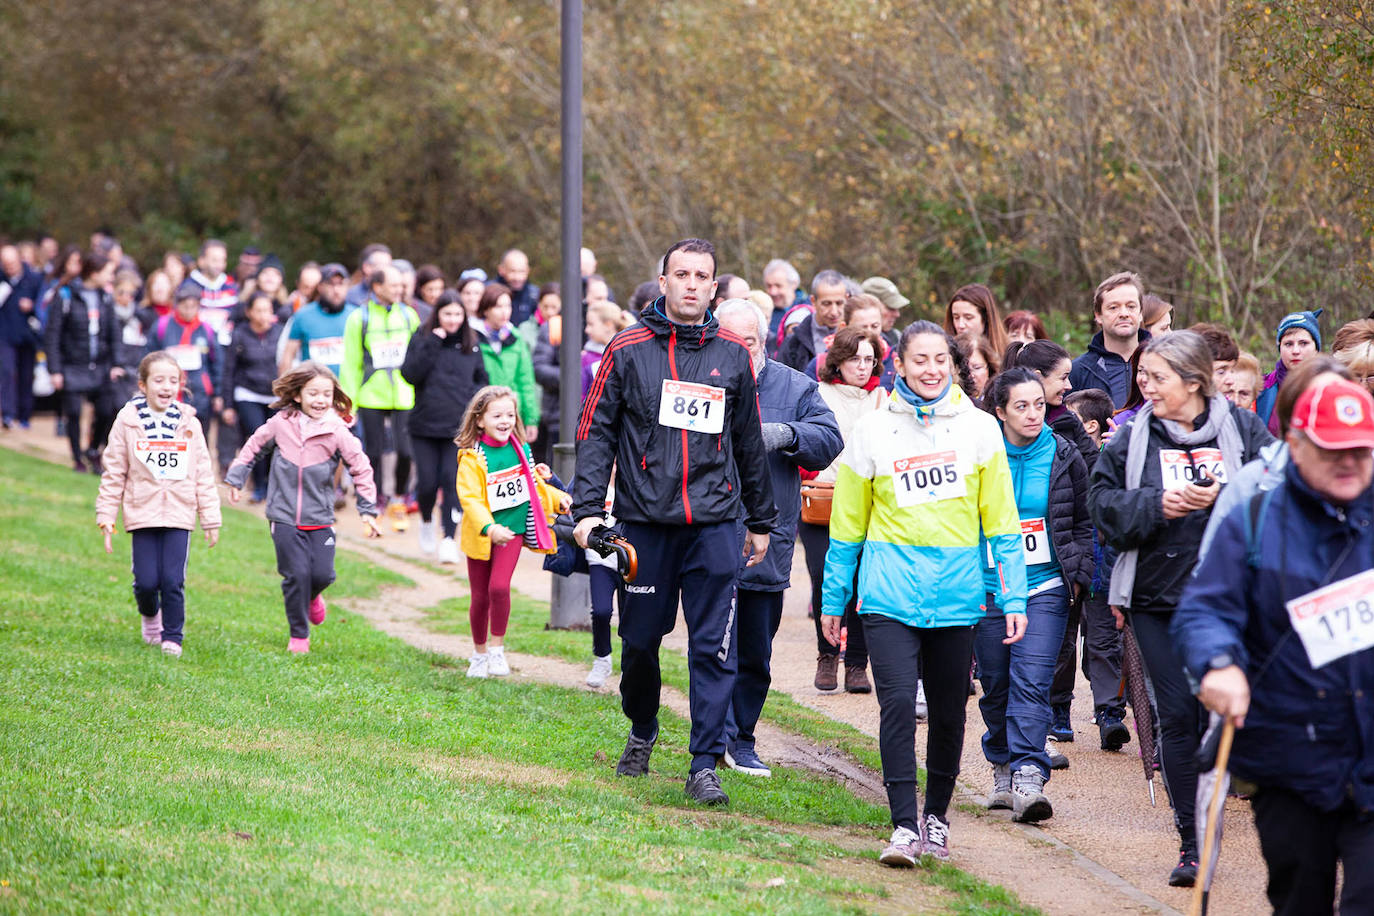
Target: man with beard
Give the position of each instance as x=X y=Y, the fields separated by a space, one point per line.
x=317 y=330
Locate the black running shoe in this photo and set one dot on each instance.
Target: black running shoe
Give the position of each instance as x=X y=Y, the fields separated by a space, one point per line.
x=1185 y=872
x=634 y=761
x=704 y=786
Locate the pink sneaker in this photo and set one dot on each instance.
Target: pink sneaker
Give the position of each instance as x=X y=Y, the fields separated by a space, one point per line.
x=317 y=610
x=152 y=628
x=298 y=646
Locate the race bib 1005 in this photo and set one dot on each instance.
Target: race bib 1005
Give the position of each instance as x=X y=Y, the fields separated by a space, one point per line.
x=1177 y=471
x=507 y=489
x=927 y=478
x=696 y=408
x=1337 y=620
x=167 y=459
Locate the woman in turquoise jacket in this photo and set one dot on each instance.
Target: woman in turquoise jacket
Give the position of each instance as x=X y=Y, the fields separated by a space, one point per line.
x=917 y=483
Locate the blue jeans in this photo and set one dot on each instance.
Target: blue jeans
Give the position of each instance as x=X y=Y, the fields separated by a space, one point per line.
x=1016 y=680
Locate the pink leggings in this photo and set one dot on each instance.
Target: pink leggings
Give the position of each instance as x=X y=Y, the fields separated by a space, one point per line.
x=489 y=582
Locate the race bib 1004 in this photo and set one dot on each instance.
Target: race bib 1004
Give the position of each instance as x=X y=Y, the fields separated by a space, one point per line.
x=507 y=489
x=327 y=350
x=1177 y=471
x=388 y=354
x=1337 y=620
x=696 y=408
x=927 y=478
x=167 y=459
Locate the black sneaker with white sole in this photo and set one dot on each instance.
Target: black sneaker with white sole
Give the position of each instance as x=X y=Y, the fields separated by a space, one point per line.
x=703 y=786
x=634 y=761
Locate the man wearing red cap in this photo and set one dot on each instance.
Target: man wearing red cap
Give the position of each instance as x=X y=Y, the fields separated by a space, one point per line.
x=1277 y=628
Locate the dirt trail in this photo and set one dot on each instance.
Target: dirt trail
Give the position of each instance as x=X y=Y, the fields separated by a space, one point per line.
x=1105 y=851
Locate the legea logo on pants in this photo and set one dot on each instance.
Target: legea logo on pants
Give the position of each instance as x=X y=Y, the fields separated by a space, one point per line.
x=641 y=589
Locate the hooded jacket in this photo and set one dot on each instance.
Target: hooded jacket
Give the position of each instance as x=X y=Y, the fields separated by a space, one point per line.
x=1134 y=519
x=508 y=363
x=195 y=351
x=787 y=396
x=1309 y=730
x=300 y=485
x=666 y=475
x=1066 y=517
x=445 y=375
x=146 y=501
x=921 y=563
x=80 y=340
x=1101 y=368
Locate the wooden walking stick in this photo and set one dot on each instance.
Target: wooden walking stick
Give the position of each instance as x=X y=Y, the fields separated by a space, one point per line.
x=1209 y=840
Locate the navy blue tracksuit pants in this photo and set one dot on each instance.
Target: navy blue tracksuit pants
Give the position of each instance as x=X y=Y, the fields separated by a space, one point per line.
x=699 y=564
x=760 y=614
x=159 y=563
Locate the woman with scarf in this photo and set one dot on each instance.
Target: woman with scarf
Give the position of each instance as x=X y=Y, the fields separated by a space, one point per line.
x=918 y=481
x=506 y=356
x=1051 y=486
x=1150 y=496
x=1299 y=337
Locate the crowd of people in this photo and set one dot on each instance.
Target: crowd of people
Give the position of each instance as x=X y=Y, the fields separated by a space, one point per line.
x=974 y=502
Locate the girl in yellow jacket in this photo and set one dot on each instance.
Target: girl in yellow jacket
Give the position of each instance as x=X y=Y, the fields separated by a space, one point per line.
x=506 y=503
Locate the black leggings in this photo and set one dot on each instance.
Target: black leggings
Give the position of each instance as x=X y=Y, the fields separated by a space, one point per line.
x=944 y=654
x=436 y=471
x=815 y=541
x=101 y=421
x=375 y=441
x=1182 y=719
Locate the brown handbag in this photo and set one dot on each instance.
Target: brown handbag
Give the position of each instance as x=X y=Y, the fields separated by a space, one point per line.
x=816 y=501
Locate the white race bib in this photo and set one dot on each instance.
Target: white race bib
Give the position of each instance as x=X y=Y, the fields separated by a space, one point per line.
x=166 y=458
x=1177 y=471
x=328 y=350
x=928 y=478
x=5 y=289
x=387 y=354
x=507 y=489
x=188 y=357
x=1337 y=620
x=697 y=408
x=133 y=335
x=1035 y=541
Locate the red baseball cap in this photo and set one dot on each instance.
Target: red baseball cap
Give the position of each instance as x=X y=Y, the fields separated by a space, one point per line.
x=1336 y=414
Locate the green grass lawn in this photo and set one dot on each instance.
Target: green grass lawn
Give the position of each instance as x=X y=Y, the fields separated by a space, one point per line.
x=365 y=777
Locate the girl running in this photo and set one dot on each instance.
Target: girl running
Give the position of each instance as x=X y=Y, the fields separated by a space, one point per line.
x=311 y=438
x=157 y=469
x=496 y=479
x=1050 y=483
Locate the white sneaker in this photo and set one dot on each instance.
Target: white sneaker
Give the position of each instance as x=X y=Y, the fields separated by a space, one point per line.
x=477 y=666
x=427 y=540
x=171 y=648
x=601 y=669
x=448 y=552
x=497 y=666
x=922 y=711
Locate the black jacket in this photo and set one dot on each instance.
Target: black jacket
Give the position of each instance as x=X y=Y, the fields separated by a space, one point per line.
x=82 y=358
x=799 y=349
x=546 y=373
x=1101 y=368
x=1134 y=519
x=1071 y=530
x=1066 y=425
x=250 y=360
x=446 y=375
x=665 y=475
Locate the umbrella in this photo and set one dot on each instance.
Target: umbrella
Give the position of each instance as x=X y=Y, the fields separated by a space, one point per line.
x=1137 y=690
x=1212 y=785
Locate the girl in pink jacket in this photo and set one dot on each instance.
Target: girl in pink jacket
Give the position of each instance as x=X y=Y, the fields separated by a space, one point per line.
x=311 y=437
x=157 y=469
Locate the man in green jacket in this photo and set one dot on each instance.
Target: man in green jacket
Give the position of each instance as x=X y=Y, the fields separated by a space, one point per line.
x=375 y=340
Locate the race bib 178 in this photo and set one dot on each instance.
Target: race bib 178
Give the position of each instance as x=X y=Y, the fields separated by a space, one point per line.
x=1337 y=620
x=696 y=408
x=927 y=478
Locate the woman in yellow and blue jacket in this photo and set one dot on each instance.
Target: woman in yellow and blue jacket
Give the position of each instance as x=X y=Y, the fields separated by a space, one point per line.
x=917 y=483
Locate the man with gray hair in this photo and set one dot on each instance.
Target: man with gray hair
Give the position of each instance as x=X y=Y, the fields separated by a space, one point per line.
x=782 y=283
x=811 y=339
x=799 y=431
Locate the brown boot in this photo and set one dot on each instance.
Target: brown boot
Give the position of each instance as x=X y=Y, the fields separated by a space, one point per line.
x=856 y=679
x=825 y=672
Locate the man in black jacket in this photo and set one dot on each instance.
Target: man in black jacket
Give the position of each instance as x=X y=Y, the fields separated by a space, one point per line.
x=674 y=410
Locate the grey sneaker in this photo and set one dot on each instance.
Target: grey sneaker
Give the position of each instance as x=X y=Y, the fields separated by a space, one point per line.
x=1029 y=803
x=903 y=850
x=704 y=786
x=634 y=761
x=1057 y=760
x=922 y=711
x=1001 y=787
